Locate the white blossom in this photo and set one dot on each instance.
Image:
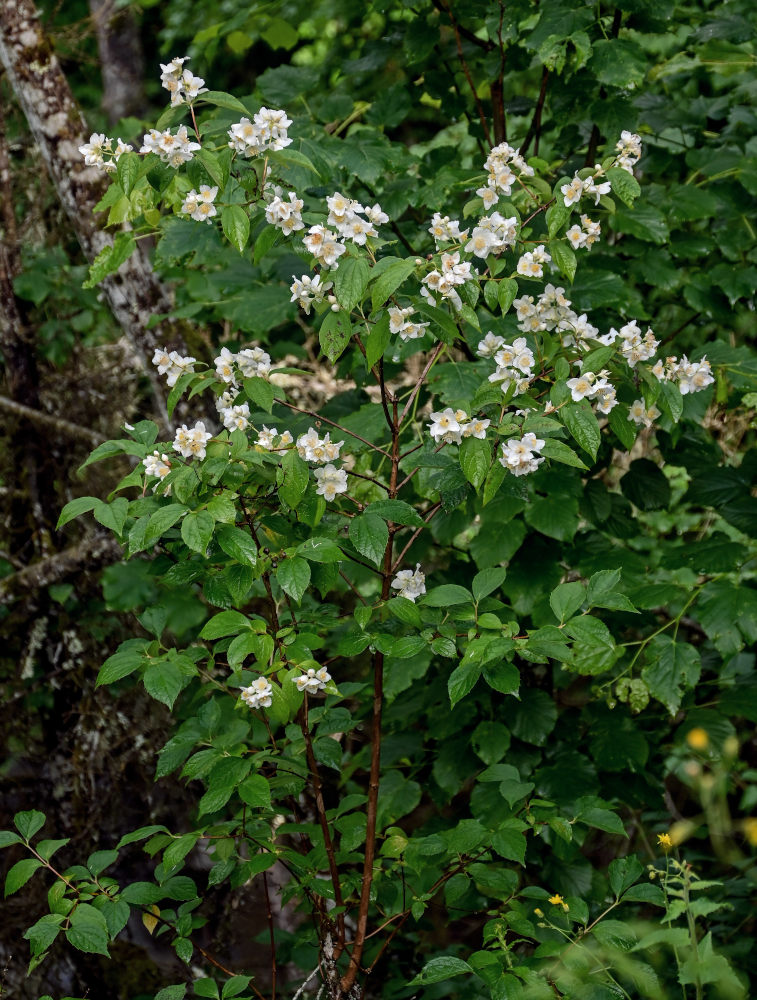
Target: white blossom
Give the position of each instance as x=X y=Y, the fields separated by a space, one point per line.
x=445 y=425
x=446 y=230
x=629 y=150
x=254 y=362
x=259 y=694
x=157 y=465
x=172 y=149
x=331 y=481
x=267 y=131
x=642 y=415
x=181 y=84
x=313 y=681
x=236 y=418
x=411 y=584
x=285 y=215
x=100 y=152
x=572 y=192
x=225 y=366
x=489 y=346
x=520 y=456
x=306 y=290
x=191 y=442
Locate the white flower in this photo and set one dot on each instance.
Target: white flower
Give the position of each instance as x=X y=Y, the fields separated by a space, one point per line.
x=400 y=323
x=225 y=366
x=99 y=152
x=446 y=230
x=259 y=694
x=376 y=215
x=577 y=236
x=192 y=442
x=157 y=465
x=582 y=386
x=313 y=681
x=306 y=290
x=591 y=187
x=639 y=414
x=572 y=192
x=444 y=423
x=180 y=83
x=254 y=362
x=236 y=418
x=323 y=245
x=629 y=150
x=172 y=149
x=268 y=132
x=410 y=583
x=518 y=455
x=285 y=215
x=172 y=364
x=331 y=481
x=499 y=165
x=489 y=196
x=529 y=266
x=476 y=428
x=489 y=346
x=200 y=206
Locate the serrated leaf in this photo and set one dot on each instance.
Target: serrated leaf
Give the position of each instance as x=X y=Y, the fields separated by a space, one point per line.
x=487 y=581
x=225 y=623
x=295 y=479
x=564 y=256
x=624 y=185
x=475 y=460
x=293 y=576
x=369 y=534
x=88 y=930
x=163 y=681
x=440 y=969
x=20 y=874
x=560 y=452
x=447 y=594
x=566 y=599
x=236 y=543
x=75 y=508
x=390 y=280
x=197 y=530
x=334 y=334
x=350 y=281
x=462 y=680
x=112 y=515
x=582 y=425
x=236 y=226
x=378 y=340
x=260 y=392
x=29 y=822
x=396 y=511
x=508 y=289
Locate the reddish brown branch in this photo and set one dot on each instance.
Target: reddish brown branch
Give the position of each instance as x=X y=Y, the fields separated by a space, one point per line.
x=534 y=129
x=466 y=70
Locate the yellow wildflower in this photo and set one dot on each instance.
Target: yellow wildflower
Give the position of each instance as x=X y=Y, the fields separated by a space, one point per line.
x=664 y=841
x=749 y=825
x=698 y=738
x=556 y=900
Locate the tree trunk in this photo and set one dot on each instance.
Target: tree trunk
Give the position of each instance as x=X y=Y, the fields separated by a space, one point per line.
x=121 y=61
x=55 y=120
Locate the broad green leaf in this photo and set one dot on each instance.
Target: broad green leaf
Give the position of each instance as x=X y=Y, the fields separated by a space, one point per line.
x=582 y=425
x=163 y=681
x=28 y=823
x=20 y=874
x=112 y=515
x=237 y=543
x=197 y=530
x=260 y=392
x=390 y=279
x=462 y=680
x=440 y=969
x=334 y=334
x=396 y=511
x=42 y=934
x=487 y=581
x=566 y=599
x=369 y=534
x=88 y=930
x=255 y=791
x=560 y=452
x=351 y=280
x=75 y=508
x=378 y=340
x=236 y=226
x=623 y=872
x=508 y=290
x=447 y=594
x=624 y=185
x=321 y=550
x=162 y=520
x=295 y=477
x=129 y=656
x=672 y=669
x=564 y=256
x=645 y=485
x=225 y=623
x=475 y=460
x=293 y=576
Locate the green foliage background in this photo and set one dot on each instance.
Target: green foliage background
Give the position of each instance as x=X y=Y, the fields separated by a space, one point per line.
x=593 y=770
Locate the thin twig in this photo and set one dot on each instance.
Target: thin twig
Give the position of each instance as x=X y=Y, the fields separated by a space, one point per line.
x=416 y=388
x=534 y=129
x=429 y=515
x=466 y=70
x=333 y=423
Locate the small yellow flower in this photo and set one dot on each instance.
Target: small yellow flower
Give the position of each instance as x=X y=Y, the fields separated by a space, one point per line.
x=698 y=738
x=556 y=900
x=538 y=912
x=664 y=841
x=749 y=826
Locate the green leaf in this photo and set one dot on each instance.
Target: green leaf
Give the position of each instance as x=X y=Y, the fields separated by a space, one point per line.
x=28 y=823
x=236 y=543
x=447 y=594
x=622 y=427
x=508 y=289
x=42 y=934
x=440 y=969
x=369 y=534
x=75 y=508
x=558 y=214
x=162 y=520
x=197 y=530
x=560 y=452
x=378 y=340
x=350 y=281
x=509 y=841
x=295 y=477
x=603 y=819
x=260 y=392
x=255 y=791
x=8 y=837
x=564 y=256
x=88 y=930
x=475 y=460
x=225 y=623
x=20 y=874
x=110 y=258
x=582 y=425
x=293 y=576
x=623 y=872
x=234 y=986
x=112 y=515
x=236 y=226
x=396 y=511
x=321 y=550
x=624 y=185
x=163 y=681
x=391 y=277
x=462 y=680
x=212 y=164
x=46 y=848
x=129 y=656
x=220 y=100
x=646 y=486
x=672 y=668
x=334 y=334
x=566 y=599
x=487 y=581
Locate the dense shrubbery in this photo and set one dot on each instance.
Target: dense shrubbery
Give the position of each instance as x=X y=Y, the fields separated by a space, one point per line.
x=465 y=672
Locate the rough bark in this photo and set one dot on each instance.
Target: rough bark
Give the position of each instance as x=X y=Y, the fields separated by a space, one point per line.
x=121 y=61
x=92 y=552
x=134 y=293
x=59 y=425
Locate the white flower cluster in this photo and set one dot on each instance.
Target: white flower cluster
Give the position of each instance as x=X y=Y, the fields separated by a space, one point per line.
x=252 y=362
x=577 y=188
x=157 y=465
x=180 y=83
x=451 y=426
x=629 y=150
x=236 y=418
x=587 y=385
x=267 y=131
x=172 y=149
x=499 y=164
x=514 y=362
x=259 y=694
x=410 y=583
x=285 y=215
x=400 y=322
x=521 y=456
x=317 y=450
x=493 y=234
x=691 y=376
x=100 y=152
x=446 y=230
x=190 y=442
x=330 y=481
x=443 y=284
x=324 y=246
x=352 y=220
x=313 y=681
x=267 y=440
x=531 y=264
x=172 y=364
x=642 y=415
x=306 y=291
x=551 y=311
x=200 y=206
x=586 y=236
x=634 y=346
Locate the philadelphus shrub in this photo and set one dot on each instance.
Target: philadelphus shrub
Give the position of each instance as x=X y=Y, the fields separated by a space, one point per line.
x=274 y=503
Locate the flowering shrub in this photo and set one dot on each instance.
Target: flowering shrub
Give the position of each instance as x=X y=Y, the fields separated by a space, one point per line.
x=416 y=583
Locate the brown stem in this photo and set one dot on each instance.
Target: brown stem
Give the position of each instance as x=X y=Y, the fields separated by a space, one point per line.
x=271 y=935
x=534 y=129
x=328 y=843
x=466 y=70
x=430 y=513
x=416 y=388
x=332 y=423
x=498 y=87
